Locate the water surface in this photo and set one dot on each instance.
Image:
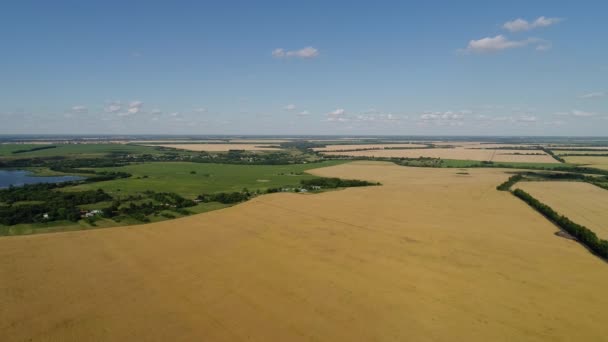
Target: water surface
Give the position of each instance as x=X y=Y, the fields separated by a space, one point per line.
x=22 y=177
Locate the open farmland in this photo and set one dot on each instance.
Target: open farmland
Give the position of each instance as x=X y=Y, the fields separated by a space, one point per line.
x=430 y=255
x=566 y=152
x=365 y=147
x=583 y=203
x=534 y=156
x=71 y=150
x=591 y=161
x=192 y=179
x=221 y=147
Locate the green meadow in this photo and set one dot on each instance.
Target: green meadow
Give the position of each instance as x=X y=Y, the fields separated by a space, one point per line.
x=192 y=179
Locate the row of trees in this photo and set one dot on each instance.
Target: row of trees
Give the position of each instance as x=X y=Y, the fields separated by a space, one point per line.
x=506 y=186
x=555 y=156
x=581 y=233
x=330 y=183
x=226 y=197
x=38 y=148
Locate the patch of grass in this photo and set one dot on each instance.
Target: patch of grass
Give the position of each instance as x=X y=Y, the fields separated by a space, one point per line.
x=177 y=177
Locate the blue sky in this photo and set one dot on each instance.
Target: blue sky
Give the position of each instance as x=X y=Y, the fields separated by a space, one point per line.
x=306 y=67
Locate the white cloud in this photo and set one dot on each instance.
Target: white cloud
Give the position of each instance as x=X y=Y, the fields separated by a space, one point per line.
x=337 y=115
x=200 y=110
x=134 y=107
x=442 y=116
x=448 y=118
x=174 y=114
x=519 y=25
x=500 y=43
x=337 y=112
x=594 y=95
x=580 y=113
x=544 y=46
x=305 y=53
x=304 y=113
x=79 y=109
x=113 y=107
x=290 y=107
x=527 y=118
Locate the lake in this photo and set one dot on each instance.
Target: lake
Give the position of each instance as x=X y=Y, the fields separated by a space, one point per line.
x=21 y=177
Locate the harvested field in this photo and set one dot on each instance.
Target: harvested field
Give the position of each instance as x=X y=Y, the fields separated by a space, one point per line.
x=598 y=162
x=599 y=148
x=429 y=256
x=583 y=203
x=477 y=144
x=174 y=141
x=260 y=141
x=365 y=146
x=221 y=147
x=456 y=153
x=563 y=152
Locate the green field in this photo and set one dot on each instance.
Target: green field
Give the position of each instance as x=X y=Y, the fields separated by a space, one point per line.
x=207 y=178
x=73 y=150
x=185 y=178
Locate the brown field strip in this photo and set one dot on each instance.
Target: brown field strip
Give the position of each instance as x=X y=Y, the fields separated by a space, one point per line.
x=431 y=255
x=221 y=147
x=365 y=146
x=456 y=153
x=583 y=203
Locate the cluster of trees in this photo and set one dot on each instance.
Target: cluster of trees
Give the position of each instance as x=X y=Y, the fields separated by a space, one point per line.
x=330 y=183
x=171 y=199
x=38 y=148
x=581 y=233
x=158 y=202
x=56 y=205
x=226 y=197
x=509 y=183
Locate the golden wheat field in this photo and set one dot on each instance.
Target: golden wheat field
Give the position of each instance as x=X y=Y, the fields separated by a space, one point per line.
x=221 y=147
x=365 y=146
x=598 y=162
x=583 y=203
x=565 y=152
x=431 y=255
x=457 y=153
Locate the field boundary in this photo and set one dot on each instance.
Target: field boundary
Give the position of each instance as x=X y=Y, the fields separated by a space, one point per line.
x=583 y=235
x=577 y=232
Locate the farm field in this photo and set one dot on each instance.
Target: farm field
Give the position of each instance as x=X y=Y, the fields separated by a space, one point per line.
x=456 y=153
x=583 y=203
x=598 y=162
x=221 y=147
x=564 y=152
x=598 y=148
x=430 y=255
x=192 y=179
x=72 y=150
x=364 y=146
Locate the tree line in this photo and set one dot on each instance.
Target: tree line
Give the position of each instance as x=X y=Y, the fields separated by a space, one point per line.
x=506 y=186
x=583 y=234
x=38 y=148
x=333 y=182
